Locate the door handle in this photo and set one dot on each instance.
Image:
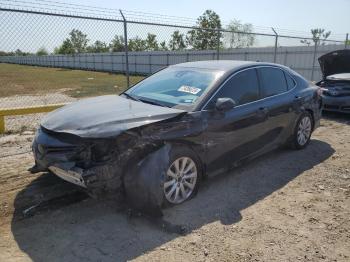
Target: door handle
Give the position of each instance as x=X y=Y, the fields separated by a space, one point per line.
x=262 y=113
x=298 y=98
x=263 y=110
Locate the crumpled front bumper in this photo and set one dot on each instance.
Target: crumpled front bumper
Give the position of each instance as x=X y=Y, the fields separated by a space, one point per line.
x=64 y=159
x=138 y=171
x=74 y=175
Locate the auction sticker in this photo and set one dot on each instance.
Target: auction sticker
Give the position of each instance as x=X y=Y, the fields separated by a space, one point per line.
x=189 y=89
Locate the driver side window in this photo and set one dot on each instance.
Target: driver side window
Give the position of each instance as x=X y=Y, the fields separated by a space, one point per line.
x=242 y=88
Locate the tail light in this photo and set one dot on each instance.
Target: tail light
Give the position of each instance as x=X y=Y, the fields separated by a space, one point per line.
x=320 y=91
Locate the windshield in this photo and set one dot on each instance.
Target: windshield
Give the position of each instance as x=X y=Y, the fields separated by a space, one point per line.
x=174 y=86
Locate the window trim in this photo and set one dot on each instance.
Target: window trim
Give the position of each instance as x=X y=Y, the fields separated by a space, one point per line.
x=203 y=108
x=294 y=82
x=262 y=84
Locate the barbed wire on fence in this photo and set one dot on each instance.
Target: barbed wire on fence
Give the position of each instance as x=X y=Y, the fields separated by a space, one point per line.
x=59 y=7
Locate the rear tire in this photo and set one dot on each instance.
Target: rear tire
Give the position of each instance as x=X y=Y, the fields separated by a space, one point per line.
x=302 y=131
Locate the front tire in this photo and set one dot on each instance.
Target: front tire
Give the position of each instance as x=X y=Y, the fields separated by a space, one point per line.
x=302 y=131
x=183 y=176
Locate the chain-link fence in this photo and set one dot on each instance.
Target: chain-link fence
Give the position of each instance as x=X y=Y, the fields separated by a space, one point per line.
x=51 y=56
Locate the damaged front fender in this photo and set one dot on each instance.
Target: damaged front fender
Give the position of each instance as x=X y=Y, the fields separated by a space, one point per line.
x=143 y=181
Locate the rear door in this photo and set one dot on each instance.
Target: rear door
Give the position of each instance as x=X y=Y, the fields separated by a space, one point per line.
x=276 y=92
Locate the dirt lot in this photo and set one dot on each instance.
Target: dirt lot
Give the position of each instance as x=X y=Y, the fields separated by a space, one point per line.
x=285 y=206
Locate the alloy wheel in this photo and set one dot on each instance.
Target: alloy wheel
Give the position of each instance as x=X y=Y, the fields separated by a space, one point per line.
x=304 y=130
x=180 y=180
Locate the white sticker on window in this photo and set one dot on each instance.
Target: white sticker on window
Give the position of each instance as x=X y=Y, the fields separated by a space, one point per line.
x=189 y=89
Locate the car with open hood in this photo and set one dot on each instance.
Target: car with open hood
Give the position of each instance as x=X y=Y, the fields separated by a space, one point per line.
x=156 y=141
x=335 y=68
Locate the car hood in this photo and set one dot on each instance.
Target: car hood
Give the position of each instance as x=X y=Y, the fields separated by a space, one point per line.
x=335 y=62
x=105 y=116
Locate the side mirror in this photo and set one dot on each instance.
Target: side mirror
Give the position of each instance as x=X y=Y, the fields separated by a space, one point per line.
x=225 y=104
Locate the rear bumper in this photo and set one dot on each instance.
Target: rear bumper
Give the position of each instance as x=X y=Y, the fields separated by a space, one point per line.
x=336 y=104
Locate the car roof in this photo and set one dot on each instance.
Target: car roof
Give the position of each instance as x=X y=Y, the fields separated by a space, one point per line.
x=223 y=65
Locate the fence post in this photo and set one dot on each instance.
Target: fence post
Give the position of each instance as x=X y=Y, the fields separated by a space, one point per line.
x=135 y=60
x=346 y=40
x=285 y=58
x=126 y=50
x=150 y=64
x=313 y=61
x=218 y=45
x=276 y=42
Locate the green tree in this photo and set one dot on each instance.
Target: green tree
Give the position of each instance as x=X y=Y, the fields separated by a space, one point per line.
x=19 y=52
x=3 y=53
x=305 y=42
x=98 y=47
x=207 y=35
x=79 y=41
x=137 y=44
x=319 y=36
x=151 y=42
x=240 y=36
x=42 y=51
x=65 y=48
x=163 y=46
x=177 y=41
x=75 y=44
x=117 y=44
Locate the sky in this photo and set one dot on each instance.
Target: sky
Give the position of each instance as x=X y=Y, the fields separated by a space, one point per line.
x=288 y=17
x=298 y=15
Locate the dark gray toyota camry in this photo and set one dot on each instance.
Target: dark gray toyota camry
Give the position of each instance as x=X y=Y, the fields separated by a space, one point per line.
x=156 y=141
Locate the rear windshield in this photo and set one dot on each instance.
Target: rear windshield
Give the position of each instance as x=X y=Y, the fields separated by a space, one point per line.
x=175 y=86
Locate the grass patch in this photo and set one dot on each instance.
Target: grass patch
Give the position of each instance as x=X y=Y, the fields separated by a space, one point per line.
x=34 y=80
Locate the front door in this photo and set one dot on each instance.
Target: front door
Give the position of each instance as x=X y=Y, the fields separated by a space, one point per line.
x=240 y=131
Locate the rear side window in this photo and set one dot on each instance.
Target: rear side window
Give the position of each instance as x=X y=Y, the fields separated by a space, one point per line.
x=290 y=81
x=242 y=88
x=273 y=81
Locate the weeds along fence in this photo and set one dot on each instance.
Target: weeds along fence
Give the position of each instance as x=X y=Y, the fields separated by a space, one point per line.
x=39 y=46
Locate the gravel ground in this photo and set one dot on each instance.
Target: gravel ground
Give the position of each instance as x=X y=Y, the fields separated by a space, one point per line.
x=285 y=206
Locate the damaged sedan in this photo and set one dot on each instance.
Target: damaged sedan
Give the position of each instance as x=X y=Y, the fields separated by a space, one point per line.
x=156 y=141
x=335 y=67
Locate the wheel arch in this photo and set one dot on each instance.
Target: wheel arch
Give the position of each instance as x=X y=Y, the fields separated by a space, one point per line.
x=196 y=149
x=311 y=112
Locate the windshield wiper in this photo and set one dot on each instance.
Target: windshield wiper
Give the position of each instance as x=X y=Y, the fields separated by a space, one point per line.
x=143 y=100
x=131 y=97
x=152 y=102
